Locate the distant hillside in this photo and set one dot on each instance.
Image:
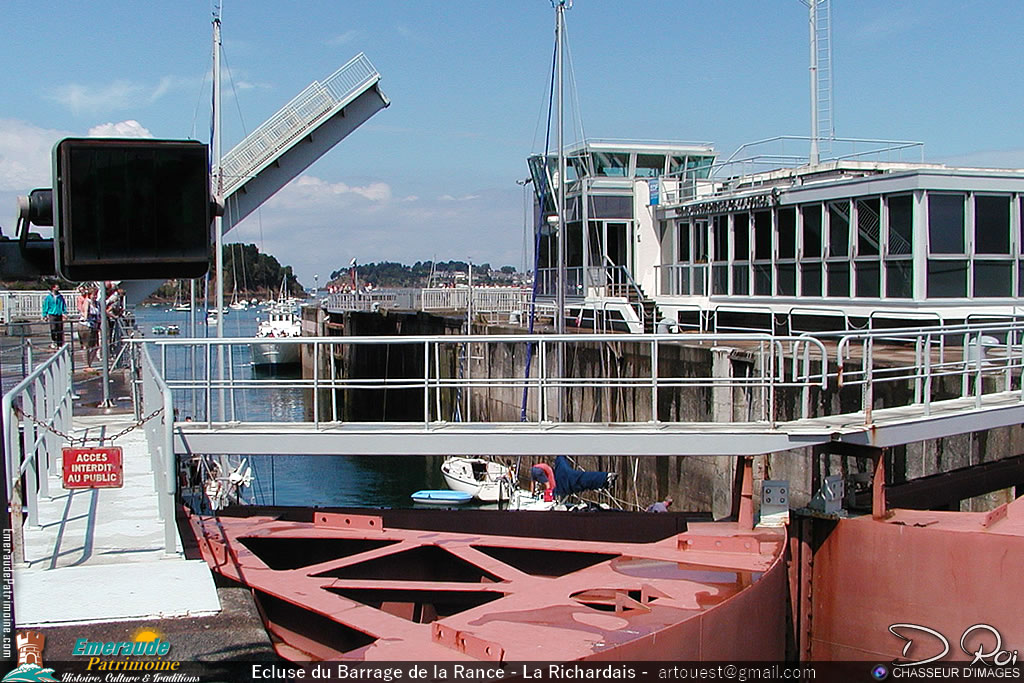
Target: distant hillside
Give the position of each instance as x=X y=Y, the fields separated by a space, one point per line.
x=391 y=274
x=254 y=274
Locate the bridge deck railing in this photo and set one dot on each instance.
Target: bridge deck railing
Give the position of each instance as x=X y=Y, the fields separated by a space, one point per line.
x=448 y=378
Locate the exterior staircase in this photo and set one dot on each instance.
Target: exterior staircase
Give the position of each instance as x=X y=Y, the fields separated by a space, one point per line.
x=645 y=306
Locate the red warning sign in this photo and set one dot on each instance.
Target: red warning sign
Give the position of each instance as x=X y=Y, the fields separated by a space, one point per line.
x=93 y=468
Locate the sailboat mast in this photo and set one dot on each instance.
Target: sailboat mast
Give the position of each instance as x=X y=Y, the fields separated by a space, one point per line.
x=560 y=291
x=218 y=180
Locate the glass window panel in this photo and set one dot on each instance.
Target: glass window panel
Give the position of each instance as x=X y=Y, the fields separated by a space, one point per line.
x=868 y=226
x=810 y=279
x=699 y=167
x=901 y=224
x=611 y=164
x=869 y=275
x=683 y=241
x=899 y=279
x=945 y=224
x=699 y=281
x=720 y=280
x=1020 y=220
x=610 y=206
x=741 y=279
x=762 y=235
x=947 y=279
x=787 y=233
x=721 y=234
x=700 y=241
x=839 y=279
x=991 y=225
x=676 y=164
x=812 y=229
x=839 y=229
x=741 y=237
x=993 y=278
x=574 y=244
x=787 y=279
x=650 y=165
x=763 y=279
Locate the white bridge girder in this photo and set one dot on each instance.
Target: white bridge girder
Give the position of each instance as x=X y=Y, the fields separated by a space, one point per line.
x=888 y=427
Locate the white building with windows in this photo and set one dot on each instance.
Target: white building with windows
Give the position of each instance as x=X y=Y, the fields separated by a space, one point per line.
x=858 y=235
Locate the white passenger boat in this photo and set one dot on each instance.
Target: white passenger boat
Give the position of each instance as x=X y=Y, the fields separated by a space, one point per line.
x=282 y=322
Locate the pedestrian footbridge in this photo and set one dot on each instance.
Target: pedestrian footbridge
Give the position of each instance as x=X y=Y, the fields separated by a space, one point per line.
x=689 y=394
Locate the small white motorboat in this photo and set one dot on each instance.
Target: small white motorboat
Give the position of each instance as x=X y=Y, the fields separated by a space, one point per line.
x=484 y=479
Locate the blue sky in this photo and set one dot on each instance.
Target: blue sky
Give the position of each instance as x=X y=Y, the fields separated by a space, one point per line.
x=434 y=175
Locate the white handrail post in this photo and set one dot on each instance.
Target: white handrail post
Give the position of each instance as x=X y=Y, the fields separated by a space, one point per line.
x=426 y=383
x=654 y=380
x=316 y=383
x=170 y=478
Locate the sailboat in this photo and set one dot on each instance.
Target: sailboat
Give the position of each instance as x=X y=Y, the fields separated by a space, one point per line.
x=236 y=303
x=179 y=303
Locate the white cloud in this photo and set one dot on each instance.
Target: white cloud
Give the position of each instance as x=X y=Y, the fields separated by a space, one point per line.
x=119 y=94
x=344 y=38
x=316 y=226
x=25 y=152
x=123 y=129
x=464 y=198
x=308 y=191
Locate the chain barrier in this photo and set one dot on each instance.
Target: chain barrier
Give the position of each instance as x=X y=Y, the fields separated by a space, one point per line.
x=84 y=440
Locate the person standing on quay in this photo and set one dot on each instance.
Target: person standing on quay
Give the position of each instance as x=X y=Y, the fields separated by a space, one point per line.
x=54 y=308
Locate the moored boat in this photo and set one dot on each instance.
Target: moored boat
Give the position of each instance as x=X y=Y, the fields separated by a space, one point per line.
x=282 y=323
x=441 y=497
x=484 y=479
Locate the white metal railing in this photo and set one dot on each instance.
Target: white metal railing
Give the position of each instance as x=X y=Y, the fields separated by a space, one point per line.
x=157 y=400
x=361 y=301
x=34 y=411
x=985 y=358
x=484 y=299
x=27 y=305
x=442 y=376
x=748 y=166
x=294 y=118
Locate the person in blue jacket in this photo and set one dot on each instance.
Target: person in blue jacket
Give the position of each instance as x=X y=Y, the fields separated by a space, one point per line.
x=54 y=308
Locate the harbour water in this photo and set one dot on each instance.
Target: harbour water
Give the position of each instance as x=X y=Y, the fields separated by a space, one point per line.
x=323 y=480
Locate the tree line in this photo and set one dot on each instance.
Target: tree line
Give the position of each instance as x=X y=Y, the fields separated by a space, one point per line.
x=392 y=274
x=247 y=271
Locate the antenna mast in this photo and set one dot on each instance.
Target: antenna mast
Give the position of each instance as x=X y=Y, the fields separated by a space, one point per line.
x=822 y=126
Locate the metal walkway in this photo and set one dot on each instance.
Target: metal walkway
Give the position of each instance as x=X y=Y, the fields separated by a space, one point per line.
x=100 y=555
x=909 y=385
